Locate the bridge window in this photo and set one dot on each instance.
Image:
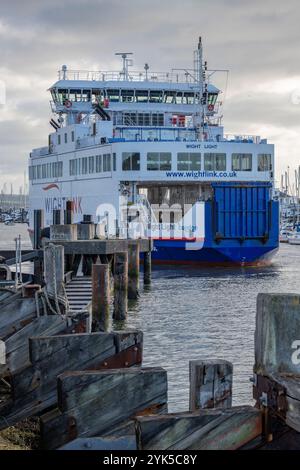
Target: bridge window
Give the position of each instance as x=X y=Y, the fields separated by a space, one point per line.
x=264 y=162
x=188 y=98
x=188 y=161
x=114 y=162
x=141 y=96
x=75 y=95
x=62 y=95
x=156 y=96
x=159 y=161
x=129 y=119
x=212 y=98
x=215 y=161
x=86 y=95
x=113 y=95
x=241 y=161
x=84 y=165
x=127 y=96
x=130 y=161
x=179 y=97
x=91 y=165
x=170 y=97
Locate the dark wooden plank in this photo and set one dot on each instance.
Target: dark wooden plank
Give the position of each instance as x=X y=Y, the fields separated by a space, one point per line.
x=101 y=443
x=17 y=345
x=91 y=403
x=210 y=384
x=15 y=314
x=211 y=429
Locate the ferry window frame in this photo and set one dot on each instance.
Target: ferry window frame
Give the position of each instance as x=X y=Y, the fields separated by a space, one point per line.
x=73 y=136
x=214 y=164
x=170 y=97
x=106 y=162
x=238 y=161
x=98 y=164
x=127 y=96
x=113 y=94
x=266 y=159
x=156 y=96
x=58 y=139
x=189 y=164
x=131 y=161
x=66 y=137
x=144 y=94
x=91 y=164
x=114 y=162
x=159 y=161
x=75 y=94
x=84 y=165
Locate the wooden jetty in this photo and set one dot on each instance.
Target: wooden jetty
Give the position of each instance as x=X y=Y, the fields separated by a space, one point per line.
x=59 y=361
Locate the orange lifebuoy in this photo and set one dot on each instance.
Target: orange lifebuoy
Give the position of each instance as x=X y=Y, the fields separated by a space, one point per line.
x=68 y=104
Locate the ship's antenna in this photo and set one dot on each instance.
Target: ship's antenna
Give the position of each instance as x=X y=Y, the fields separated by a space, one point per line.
x=200 y=77
x=126 y=63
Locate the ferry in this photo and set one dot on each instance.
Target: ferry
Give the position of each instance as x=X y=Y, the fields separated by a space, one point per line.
x=144 y=154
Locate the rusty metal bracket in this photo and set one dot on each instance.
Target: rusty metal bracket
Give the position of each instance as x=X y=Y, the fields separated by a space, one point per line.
x=126 y=358
x=270 y=394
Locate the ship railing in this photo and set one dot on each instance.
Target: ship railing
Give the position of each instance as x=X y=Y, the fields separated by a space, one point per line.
x=249 y=139
x=136 y=76
x=40 y=152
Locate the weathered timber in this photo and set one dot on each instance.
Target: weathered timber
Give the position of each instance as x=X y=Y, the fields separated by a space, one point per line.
x=68 y=213
x=54 y=268
x=17 y=345
x=100 y=246
x=277 y=356
x=56 y=214
x=120 y=286
x=210 y=384
x=213 y=429
x=133 y=269
x=101 y=443
x=34 y=388
x=37 y=227
x=91 y=403
x=147 y=267
x=63 y=233
x=15 y=313
x=85 y=231
x=100 y=296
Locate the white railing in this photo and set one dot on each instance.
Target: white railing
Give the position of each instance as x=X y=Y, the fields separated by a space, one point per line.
x=255 y=139
x=104 y=76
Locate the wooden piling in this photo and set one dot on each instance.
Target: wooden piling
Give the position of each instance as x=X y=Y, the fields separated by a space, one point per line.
x=133 y=269
x=210 y=384
x=147 y=267
x=54 y=269
x=56 y=217
x=68 y=213
x=37 y=227
x=100 y=296
x=120 y=285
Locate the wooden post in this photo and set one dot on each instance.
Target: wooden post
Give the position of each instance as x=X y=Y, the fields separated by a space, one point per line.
x=133 y=269
x=120 y=285
x=54 y=268
x=147 y=267
x=37 y=226
x=56 y=217
x=100 y=296
x=68 y=213
x=210 y=384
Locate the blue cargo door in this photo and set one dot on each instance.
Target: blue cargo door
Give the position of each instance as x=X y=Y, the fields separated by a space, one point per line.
x=241 y=210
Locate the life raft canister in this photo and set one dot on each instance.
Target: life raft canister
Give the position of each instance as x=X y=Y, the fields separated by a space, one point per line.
x=106 y=103
x=68 y=104
x=210 y=107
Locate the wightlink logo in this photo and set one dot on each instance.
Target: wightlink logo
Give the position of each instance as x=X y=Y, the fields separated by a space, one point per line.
x=201 y=174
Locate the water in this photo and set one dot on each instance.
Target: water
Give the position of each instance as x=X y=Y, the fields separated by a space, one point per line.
x=208 y=313
x=190 y=313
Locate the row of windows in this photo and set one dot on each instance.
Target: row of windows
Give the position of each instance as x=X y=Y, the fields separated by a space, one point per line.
x=130 y=96
x=162 y=161
x=92 y=164
x=143 y=119
x=65 y=138
x=46 y=171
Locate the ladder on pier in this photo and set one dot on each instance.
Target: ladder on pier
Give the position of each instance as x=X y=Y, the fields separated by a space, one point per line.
x=79 y=292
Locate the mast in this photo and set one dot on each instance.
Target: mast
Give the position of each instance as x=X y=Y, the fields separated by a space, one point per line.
x=199 y=71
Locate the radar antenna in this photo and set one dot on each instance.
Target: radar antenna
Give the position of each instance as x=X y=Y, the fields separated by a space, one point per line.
x=126 y=63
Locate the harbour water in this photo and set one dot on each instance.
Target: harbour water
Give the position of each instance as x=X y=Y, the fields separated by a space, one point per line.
x=192 y=313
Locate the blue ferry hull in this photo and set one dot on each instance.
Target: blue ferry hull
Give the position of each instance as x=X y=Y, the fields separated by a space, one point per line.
x=241 y=228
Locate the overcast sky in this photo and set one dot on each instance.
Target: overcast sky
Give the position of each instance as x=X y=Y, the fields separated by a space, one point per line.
x=258 y=41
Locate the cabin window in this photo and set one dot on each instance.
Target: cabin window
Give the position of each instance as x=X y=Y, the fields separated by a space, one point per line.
x=141 y=96
x=264 y=162
x=113 y=95
x=188 y=98
x=215 y=161
x=129 y=119
x=91 y=165
x=75 y=95
x=127 y=96
x=114 y=162
x=159 y=161
x=170 y=97
x=157 y=119
x=72 y=136
x=106 y=162
x=98 y=163
x=188 y=161
x=156 y=96
x=212 y=98
x=97 y=96
x=179 y=97
x=86 y=95
x=62 y=95
x=66 y=138
x=241 y=162
x=130 y=161
x=58 y=139
x=84 y=165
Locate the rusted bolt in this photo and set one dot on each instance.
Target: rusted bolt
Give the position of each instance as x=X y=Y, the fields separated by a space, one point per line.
x=105 y=364
x=126 y=364
x=135 y=349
